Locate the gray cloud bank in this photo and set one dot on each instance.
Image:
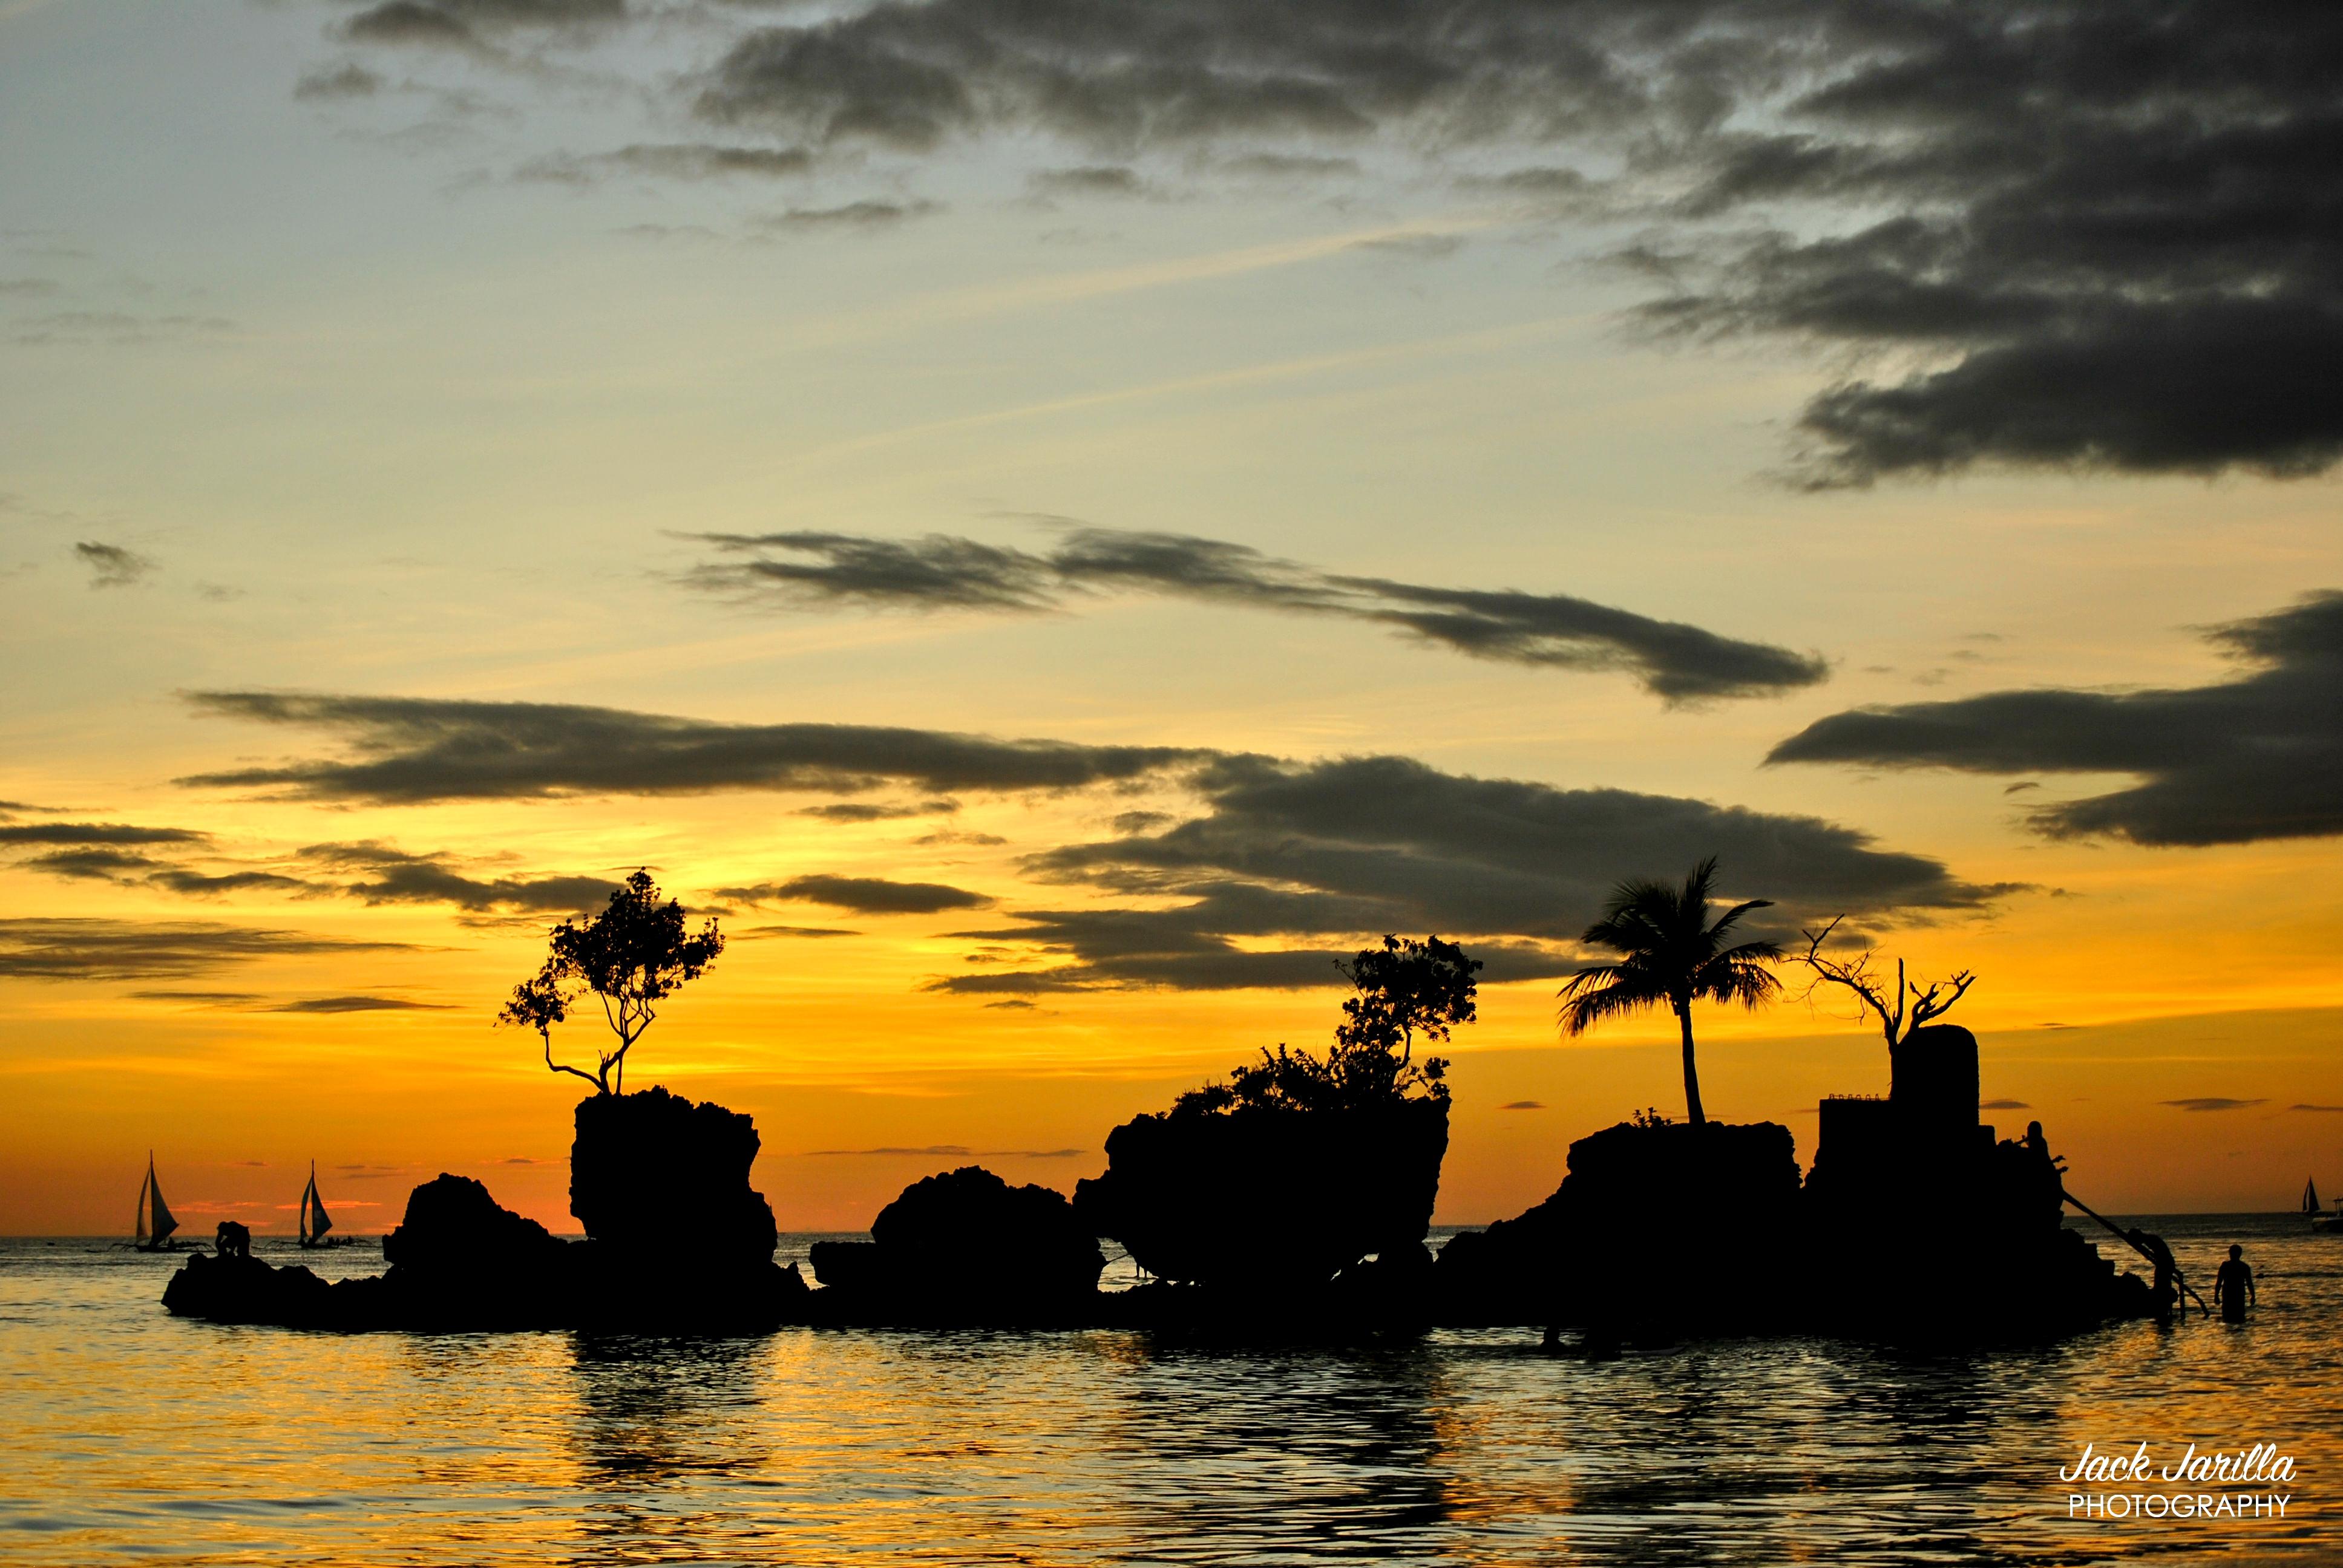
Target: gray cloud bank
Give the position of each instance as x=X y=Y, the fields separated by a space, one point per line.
x=863 y=895
x=2066 y=233
x=1288 y=864
x=2257 y=758
x=408 y=750
x=1674 y=661
x=115 y=949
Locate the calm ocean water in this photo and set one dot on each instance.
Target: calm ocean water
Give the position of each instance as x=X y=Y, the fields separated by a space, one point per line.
x=130 y=1436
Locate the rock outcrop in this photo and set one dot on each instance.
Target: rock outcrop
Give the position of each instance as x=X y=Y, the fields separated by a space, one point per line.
x=965 y=1247
x=1665 y=1227
x=1263 y=1200
x=678 y=1242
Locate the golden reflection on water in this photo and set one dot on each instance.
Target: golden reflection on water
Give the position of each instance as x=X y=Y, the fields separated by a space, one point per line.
x=134 y=1436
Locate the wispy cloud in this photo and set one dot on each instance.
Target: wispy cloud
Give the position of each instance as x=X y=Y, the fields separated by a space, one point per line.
x=1675 y=661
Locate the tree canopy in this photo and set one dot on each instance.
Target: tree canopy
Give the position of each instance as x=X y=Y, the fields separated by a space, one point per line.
x=1405 y=989
x=1671 y=954
x=631 y=955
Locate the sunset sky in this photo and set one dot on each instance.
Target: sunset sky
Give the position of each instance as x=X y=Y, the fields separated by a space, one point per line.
x=1056 y=520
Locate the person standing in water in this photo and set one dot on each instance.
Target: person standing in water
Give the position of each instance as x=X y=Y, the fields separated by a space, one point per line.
x=2233 y=1287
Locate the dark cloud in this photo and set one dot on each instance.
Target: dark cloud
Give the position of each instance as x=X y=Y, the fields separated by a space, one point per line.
x=391 y=876
x=226 y=999
x=1523 y=1105
x=96 y=833
x=875 y=812
x=2058 y=232
x=1329 y=854
x=413 y=749
x=863 y=895
x=1091 y=180
x=673 y=160
x=1117 y=76
x=204 y=885
x=850 y=215
x=341 y=1004
x=2211 y=1102
x=111 y=565
x=805 y=931
x=1289 y=864
x=2257 y=758
x=2002 y=1105
x=112 y=950
x=1675 y=661
x=344 y=81
x=2300 y=1106
x=461 y=24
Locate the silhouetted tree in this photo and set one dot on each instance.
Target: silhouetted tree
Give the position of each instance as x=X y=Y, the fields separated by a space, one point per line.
x=1897 y=1021
x=633 y=954
x=1673 y=955
x=1405 y=989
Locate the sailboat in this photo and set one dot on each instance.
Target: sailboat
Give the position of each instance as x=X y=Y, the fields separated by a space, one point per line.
x=154 y=1221
x=315 y=1221
x=2311 y=1209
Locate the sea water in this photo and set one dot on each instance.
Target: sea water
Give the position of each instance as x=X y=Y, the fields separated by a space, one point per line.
x=130 y=1436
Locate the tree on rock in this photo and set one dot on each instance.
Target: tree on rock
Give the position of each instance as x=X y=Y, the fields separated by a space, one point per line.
x=1902 y=1010
x=1671 y=954
x=631 y=956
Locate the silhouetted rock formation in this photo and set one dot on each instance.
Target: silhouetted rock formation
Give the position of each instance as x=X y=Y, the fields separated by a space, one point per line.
x=692 y=1252
x=676 y=1237
x=1664 y=1227
x=1913 y=1224
x=1268 y=1200
x=964 y=1248
x=657 y=1179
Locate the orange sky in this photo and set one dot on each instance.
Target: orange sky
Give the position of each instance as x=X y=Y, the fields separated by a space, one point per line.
x=331 y=367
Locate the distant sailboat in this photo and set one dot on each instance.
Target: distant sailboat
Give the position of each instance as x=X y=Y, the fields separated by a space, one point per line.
x=154 y=1221
x=2319 y=1219
x=315 y=1221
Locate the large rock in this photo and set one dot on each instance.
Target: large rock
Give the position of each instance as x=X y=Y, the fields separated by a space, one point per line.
x=1268 y=1200
x=965 y=1247
x=654 y=1176
x=679 y=1244
x=1657 y=1229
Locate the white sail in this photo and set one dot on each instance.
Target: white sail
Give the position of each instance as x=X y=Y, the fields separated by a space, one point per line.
x=143 y=1186
x=164 y=1224
x=315 y=1222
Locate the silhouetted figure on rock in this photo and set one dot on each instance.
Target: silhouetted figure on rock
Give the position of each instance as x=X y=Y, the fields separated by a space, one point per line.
x=2165 y=1290
x=232 y=1239
x=2233 y=1287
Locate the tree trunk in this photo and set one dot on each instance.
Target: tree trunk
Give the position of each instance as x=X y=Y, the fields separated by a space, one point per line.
x=1692 y=1072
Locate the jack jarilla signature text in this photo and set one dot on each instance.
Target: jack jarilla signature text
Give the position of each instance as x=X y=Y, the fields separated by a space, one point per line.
x=2260 y=1466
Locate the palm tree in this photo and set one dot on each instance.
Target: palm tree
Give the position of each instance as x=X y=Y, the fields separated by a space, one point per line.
x=1672 y=955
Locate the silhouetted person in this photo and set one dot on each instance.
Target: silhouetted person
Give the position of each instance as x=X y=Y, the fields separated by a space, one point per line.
x=2166 y=1291
x=2233 y=1287
x=232 y=1239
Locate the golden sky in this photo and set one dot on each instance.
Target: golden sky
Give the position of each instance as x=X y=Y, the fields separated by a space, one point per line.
x=443 y=470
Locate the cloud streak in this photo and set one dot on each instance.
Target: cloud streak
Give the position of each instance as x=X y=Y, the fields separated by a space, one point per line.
x=411 y=750
x=1674 y=661
x=1289 y=864
x=119 y=949
x=2254 y=758
x=863 y=895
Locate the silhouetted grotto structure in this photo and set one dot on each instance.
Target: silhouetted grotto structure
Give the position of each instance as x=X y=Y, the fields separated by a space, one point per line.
x=1291 y=1201
x=964 y=1247
x=676 y=1242
x=1915 y=1223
